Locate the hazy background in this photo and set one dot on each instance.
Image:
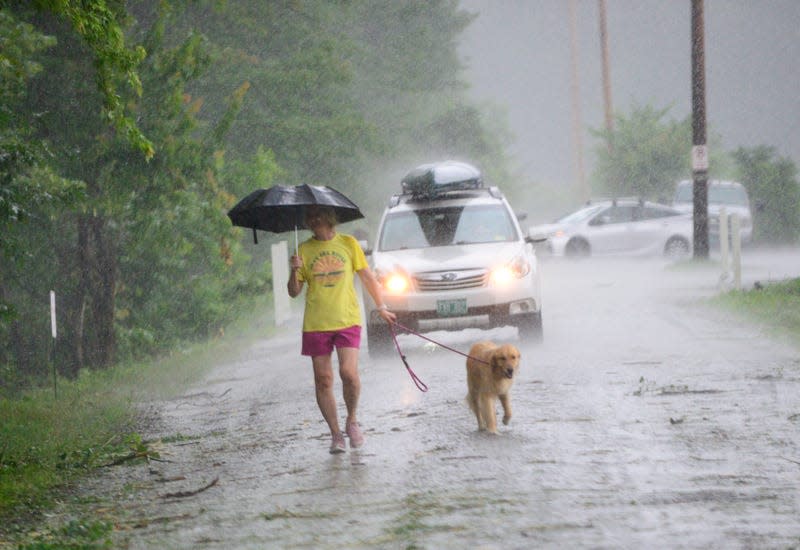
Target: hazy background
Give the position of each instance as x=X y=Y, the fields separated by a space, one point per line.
x=517 y=54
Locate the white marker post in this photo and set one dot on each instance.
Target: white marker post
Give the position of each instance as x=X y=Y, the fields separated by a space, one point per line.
x=737 y=251
x=55 y=334
x=280 y=277
x=724 y=243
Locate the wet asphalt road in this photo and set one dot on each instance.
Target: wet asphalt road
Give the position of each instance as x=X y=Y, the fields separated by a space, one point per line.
x=644 y=420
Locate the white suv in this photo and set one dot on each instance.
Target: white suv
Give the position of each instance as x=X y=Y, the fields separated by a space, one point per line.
x=728 y=194
x=450 y=255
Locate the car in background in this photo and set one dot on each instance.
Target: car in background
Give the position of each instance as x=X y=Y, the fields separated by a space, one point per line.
x=730 y=195
x=450 y=254
x=619 y=227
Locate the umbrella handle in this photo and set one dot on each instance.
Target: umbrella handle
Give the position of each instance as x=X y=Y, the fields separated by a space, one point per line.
x=255 y=237
x=295 y=240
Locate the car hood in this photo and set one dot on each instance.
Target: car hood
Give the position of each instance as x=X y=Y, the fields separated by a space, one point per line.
x=448 y=258
x=544 y=230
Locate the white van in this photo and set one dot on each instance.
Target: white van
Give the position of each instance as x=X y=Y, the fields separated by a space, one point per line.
x=728 y=194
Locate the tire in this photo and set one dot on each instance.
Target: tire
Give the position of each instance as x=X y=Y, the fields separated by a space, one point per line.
x=676 y=248
x=379 y=340
x=577 y=248
x=530 y=327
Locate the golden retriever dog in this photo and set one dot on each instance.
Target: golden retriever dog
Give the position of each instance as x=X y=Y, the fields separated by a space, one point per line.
x=490 y=374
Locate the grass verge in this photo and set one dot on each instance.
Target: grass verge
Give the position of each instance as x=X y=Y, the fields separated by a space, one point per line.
x=47 y=442
x=776 y=306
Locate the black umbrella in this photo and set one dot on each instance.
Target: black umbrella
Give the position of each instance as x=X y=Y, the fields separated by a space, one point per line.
x=282 y=208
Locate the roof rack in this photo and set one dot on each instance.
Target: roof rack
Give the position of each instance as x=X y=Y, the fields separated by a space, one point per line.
x=613 y=200
x=455 y=193
x=429 y=180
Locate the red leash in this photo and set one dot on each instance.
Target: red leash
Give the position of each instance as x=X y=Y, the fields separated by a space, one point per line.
x=420 y=384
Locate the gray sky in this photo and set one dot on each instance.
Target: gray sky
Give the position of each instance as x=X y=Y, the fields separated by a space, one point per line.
x=517 y=56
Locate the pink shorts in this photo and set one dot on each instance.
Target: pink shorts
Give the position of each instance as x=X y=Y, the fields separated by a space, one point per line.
x=322 y=342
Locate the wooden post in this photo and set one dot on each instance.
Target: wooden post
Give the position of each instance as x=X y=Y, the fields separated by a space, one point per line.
x=699 y=150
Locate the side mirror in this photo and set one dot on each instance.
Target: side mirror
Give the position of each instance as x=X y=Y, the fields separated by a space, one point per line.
x=534 y=236
x=535 y=240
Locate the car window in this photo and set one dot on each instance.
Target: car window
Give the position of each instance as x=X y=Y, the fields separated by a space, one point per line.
x=578 y=216
x=717 y=194
x=443 y=226
x=614 y=214
x=683 y=193
x=652 y=213
x=402 y=230
x=484 y=224
x=727 y=195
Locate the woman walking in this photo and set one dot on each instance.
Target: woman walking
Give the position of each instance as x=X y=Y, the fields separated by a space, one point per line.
x=327 y=262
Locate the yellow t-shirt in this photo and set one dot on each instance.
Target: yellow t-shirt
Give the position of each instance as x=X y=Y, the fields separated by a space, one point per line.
x=328 y=270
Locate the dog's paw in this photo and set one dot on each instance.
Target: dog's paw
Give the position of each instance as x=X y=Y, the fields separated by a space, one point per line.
x=506 y=419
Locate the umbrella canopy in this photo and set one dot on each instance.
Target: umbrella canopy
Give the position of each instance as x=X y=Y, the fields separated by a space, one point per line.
x=282 y=208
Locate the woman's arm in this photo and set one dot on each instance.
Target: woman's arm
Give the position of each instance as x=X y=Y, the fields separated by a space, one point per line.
x=295 y=285
x=374 y=288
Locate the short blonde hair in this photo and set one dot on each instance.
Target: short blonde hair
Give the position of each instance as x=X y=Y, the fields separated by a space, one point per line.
x=327 y=213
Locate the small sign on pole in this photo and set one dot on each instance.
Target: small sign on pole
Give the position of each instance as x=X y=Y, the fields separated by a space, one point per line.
x=700 y=158
x=54 y=332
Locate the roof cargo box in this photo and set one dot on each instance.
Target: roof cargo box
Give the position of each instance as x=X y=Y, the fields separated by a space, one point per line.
x=438 y=177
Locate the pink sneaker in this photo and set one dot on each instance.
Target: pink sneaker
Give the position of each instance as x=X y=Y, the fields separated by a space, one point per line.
x=337 y=444
x=355 y=435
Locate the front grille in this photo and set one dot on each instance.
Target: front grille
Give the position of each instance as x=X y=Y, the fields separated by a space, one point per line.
x=435 y=281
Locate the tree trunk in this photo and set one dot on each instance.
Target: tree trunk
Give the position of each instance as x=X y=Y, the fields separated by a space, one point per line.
x=78 y=314
x=17 y=352
x=103 y=300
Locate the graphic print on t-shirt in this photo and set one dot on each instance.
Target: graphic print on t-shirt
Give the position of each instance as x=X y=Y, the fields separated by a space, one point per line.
x=328 y=268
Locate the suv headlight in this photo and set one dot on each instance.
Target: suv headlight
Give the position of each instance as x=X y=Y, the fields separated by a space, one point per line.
x=394 y=282
x=515 y=269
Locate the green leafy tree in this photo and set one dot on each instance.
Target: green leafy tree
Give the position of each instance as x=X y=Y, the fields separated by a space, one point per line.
x=646 y=153
x=144 y=258
x=99 y=24
x=231 y=96
x=774 y=191
x=339 y=93
x=29 y=190
x=158 y=263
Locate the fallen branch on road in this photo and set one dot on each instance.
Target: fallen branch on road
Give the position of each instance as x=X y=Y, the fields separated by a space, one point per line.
x=184 y=494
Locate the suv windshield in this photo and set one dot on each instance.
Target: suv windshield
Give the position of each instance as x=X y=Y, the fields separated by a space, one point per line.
x=444 y=226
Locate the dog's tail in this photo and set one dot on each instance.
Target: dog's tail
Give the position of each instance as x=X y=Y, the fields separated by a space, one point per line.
x=470 y=404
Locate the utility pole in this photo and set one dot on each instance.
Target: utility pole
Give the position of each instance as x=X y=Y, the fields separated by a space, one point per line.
x=699 y=149
x=577 y=119
x=609 y=110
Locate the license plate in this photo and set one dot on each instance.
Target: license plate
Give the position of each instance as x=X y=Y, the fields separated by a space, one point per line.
x=451 y=308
